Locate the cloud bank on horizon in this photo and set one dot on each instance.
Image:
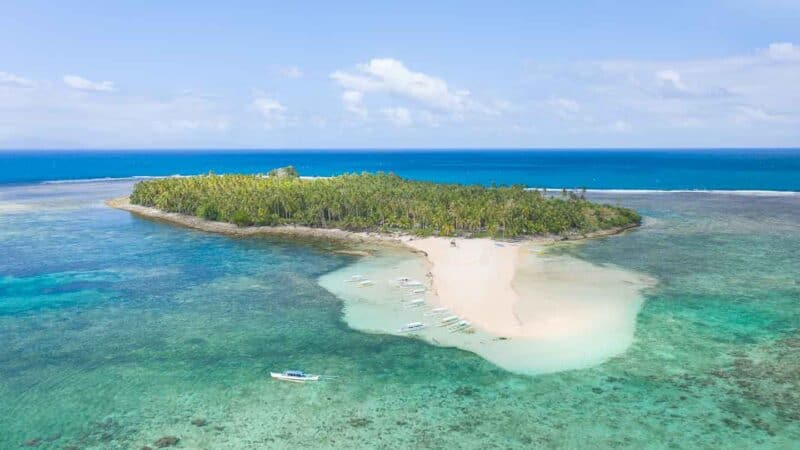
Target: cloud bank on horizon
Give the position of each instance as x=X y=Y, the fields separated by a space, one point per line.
x=747 y=98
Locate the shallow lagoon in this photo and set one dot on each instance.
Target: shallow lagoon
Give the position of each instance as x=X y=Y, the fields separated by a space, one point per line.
x=118 y=331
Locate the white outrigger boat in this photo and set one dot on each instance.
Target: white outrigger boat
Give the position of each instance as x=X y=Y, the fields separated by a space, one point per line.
x=447 y=321
x=355 y=278
x=415 y=303
x=460 y=326
x=413 y=326
x=436 y=312
x=365 y=283
x=295 y=376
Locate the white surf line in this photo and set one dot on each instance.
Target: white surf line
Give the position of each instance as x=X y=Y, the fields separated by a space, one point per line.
x=676 y=191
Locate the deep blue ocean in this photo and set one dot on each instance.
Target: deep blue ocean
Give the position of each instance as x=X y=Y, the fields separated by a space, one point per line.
x=740 y=169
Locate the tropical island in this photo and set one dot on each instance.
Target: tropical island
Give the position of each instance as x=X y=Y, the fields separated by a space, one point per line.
x=380 y=203
x=478 y=257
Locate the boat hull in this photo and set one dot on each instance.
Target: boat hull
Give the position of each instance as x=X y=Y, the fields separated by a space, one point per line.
x=282 y=377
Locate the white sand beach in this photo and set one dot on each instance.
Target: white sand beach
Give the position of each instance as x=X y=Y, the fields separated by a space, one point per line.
x=531 y=312
x=510 y=289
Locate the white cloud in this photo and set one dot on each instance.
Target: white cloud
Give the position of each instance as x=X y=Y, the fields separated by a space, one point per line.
x=15 y=80
x=354 y=102
x=392 y=77
x=620 y=126
x=783 y=51
x=671 y=79
x=291 y=72
x=564 y=107
x=748 y=114
x=398 y=116
x=170 y=126
x=80 y=83
x=271 y=110
x=566 y=104
x=52 y=116
x=673 y=102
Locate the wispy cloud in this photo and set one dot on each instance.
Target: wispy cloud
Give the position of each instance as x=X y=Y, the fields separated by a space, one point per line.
x=697 y=98
x=7 y=78
x=354 y=102
x=292 y=72
x=399 y=116
x=270 y=110
x=52 y=115
x=783 y=51
x=83 y=84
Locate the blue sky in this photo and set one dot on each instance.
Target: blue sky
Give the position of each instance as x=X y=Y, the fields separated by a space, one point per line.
x=411 y=74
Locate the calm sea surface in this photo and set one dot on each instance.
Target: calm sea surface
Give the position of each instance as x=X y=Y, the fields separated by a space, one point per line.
x=761 y=169
x=116 y=331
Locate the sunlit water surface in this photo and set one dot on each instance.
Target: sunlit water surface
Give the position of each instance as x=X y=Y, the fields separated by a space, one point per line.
x=117 y=331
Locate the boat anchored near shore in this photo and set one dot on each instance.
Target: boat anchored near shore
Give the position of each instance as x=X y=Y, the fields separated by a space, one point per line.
x=436 y=312
x=411 y=327
x=416 y=303
x=462 y=325
x=295 y=376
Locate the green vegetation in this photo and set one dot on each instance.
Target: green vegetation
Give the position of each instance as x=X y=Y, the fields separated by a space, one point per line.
x=379 y=202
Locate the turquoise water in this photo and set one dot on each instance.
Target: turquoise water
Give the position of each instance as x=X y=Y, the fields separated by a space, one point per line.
x=117 y=331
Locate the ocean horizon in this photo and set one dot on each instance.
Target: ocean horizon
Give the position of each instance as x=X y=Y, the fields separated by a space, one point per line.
x=737 y=169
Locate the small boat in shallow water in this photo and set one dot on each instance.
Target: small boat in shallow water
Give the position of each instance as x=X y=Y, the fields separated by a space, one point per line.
x=411 y=283
x=460 y=326
x=449 y=320
x=413 y=326
x=294 y=376
x=436 y=312
x=415 y=303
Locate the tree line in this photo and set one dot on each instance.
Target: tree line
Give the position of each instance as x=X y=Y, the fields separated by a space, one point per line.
x=379 y=202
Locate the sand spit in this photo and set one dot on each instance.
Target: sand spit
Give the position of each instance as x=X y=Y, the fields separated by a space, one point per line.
x=531 y=312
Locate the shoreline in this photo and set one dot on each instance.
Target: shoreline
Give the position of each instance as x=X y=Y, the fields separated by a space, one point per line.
x=230 y=229
x=337 y=234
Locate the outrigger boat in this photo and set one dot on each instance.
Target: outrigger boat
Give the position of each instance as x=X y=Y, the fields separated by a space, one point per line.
x=449 y=320
x=415 y=303
x=436 y=312
x=295 y=376
x=460 y=326
x=413 y=326
x=355 y=278
x=365 y=283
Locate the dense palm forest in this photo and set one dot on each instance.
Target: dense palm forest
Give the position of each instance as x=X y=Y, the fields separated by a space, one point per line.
x=379 y=202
